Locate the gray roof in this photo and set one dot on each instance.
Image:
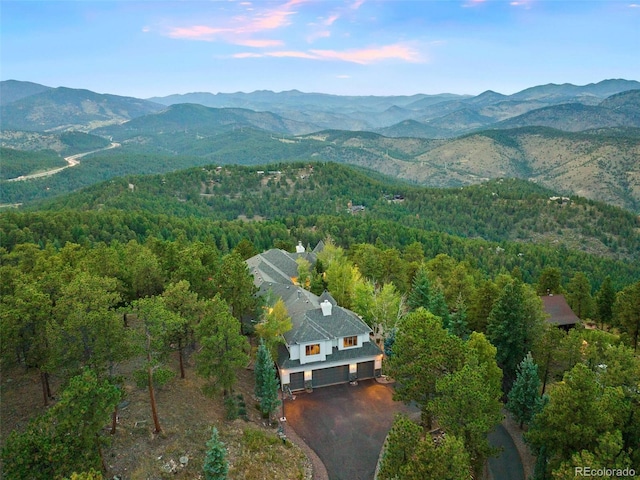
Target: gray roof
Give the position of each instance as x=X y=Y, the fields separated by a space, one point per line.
x=369 y=349
x=272 y=271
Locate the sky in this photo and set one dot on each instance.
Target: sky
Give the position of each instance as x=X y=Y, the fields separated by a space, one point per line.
x=347 y=47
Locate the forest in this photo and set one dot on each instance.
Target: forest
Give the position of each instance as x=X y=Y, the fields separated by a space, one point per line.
x=131 y=285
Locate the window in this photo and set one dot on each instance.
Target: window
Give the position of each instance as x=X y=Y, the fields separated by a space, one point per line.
x=313 y=349
x=350 y=341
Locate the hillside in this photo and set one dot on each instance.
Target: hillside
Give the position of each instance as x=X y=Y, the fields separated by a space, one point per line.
x=14 y=90
x=498 y=211
x=600 y=164
x=71 y=109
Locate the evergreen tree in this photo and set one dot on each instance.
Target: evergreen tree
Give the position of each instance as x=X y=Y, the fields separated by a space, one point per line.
x=627 y=312
x=401 y=443
x=216 y=465
x=579 y=295
x=458 y=321
x=223 y=349
x=524 y=398
x=447 y=460
x=66 y=438
x=468 y=406
x=438 y=305
x=420 y=290
x=549 y=281
x=605 y=299
x=422 y=353
x=515 y=323
x=481 y=304
x=266 y=388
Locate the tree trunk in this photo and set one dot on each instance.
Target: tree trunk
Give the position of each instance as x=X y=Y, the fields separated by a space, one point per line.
x=46 y=382
x=181 y=359
x=546 y=374
x=152 y=399
x=152 y=395
x=102 y=460
x=43 y=381
x=114 y=420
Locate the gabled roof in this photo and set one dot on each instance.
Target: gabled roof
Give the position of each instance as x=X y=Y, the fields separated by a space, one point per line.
x=272 y=272
x=559 y=311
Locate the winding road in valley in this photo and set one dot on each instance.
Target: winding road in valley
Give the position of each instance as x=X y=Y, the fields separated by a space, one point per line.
x=71 y=160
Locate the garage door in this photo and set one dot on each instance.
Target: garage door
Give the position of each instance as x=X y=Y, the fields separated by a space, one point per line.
x=330 y=376
x=365 y=370
x=296 y=381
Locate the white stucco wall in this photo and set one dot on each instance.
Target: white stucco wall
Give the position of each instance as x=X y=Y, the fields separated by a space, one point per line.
x=325 y=349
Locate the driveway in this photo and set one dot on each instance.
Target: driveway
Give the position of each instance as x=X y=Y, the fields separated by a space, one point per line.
x=346 y=425
x=506 y=466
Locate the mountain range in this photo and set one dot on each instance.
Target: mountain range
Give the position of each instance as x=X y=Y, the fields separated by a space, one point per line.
x=582 y=140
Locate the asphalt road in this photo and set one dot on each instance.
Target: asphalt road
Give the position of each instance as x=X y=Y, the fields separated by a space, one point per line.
x=72 y=161
x=508 y=465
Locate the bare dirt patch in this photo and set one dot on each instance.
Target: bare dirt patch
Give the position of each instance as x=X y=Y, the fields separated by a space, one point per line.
x=186 y=416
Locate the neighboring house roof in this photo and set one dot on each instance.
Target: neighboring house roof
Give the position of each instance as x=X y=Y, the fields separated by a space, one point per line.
x=559 y=311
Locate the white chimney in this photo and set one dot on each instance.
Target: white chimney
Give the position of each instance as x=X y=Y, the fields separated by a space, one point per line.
x=326 y=308
x=299 y=248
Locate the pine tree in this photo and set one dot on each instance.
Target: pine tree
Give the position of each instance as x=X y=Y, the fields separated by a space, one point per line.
x=266 y=382
x=579 y=295
x=515 y=323
x=458 y=321
x=524 y=398
x=420 y=291
x=215 y=466
x=438 y=306
x=605 y=299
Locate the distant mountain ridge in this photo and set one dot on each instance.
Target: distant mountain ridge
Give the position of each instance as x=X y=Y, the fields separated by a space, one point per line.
x=57 y=109
x=566 y=137
x=29 y=106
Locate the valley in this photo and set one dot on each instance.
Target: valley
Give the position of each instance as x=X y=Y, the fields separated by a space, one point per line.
x=578 y=141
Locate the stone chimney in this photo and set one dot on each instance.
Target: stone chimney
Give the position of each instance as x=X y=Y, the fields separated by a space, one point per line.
x=299 y=248
x=326 y=308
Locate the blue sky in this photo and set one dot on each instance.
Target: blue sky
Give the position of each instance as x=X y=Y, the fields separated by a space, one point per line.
x=348 y=47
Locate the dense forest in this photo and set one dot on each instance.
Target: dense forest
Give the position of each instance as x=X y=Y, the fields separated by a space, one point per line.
x=151 y=270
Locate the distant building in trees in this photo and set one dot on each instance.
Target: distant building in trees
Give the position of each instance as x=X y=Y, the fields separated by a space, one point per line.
x=559 y=312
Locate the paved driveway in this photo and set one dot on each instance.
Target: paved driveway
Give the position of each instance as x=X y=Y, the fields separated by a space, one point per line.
x=346 y=425
x=506 y=466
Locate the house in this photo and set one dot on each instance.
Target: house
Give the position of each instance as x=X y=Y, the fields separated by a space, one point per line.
x=559 y=312
x=328 y=344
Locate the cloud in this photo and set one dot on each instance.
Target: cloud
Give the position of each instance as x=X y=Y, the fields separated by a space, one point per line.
x=357 y=4
x=247 y=55
x=332 y=18
x=371 y=55
x=240 y=30
x=197 y=32
x=343 y=76
x=364 y=56
x=259 y=43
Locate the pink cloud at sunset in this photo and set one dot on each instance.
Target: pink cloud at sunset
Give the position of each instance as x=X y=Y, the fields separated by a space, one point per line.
x=360 y=56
